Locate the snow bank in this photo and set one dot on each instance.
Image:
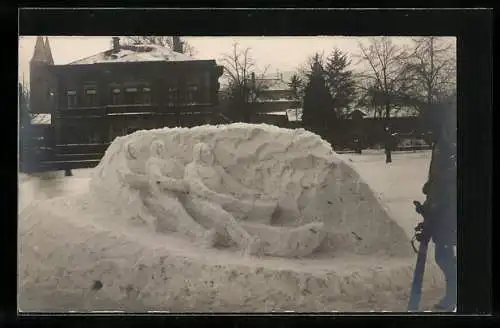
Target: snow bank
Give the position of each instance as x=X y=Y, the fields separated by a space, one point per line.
x=69 y=246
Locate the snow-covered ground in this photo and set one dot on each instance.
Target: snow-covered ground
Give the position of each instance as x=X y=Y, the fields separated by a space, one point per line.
x=396 y=184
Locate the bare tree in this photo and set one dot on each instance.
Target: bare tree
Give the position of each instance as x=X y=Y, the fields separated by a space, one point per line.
x=389 y=74
x=387 y=71
x=244 y=87
x=23 y=106
x=164 y=41
x=369 y=97
x=433 y=64
x=297 y=86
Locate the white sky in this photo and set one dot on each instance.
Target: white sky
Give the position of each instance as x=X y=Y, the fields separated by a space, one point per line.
x=279 y=53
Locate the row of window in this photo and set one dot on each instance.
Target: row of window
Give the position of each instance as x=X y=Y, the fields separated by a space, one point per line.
x=131 y=96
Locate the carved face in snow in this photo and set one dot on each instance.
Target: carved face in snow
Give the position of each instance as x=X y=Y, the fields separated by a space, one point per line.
x=202 y=153
x=130 y=151
x=158 y=148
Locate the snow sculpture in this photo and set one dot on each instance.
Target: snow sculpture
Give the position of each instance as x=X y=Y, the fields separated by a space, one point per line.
x=136 y=187
x=206 y=180
x=167 y=187
x=238 y=185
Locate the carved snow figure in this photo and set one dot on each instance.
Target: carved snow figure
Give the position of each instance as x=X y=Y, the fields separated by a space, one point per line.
x=210 y=205
x=138 y=184
x=167 y=190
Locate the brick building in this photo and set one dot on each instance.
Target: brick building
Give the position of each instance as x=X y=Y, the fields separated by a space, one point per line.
x=126 y=88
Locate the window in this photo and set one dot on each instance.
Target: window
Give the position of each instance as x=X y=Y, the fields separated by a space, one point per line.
x=207 y=80
x=172 y=96
x=91 y=97
x=71 y=95
x=131 y=96
x=146 y=95
x=52 y=98
x=115 y=96
x=192 y=94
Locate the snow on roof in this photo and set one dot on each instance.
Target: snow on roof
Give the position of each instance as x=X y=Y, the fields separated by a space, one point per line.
x=134 y=53
x=404 y=113
x=274 y=113
x=275 y=100
x=277 y=85
x=293 y=114
x=278 y=82
x=41 y=119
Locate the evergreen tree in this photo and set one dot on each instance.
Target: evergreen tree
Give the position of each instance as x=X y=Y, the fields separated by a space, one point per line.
x=340 y=81
x=317 y=108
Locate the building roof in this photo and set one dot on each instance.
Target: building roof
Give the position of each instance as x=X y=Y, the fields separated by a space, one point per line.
x=274 y=85
x=42 y=52
x=39 y=54
x=276 y=82
x=134 y=53
x=48 y=51
x=356 y=112
x=293 y=114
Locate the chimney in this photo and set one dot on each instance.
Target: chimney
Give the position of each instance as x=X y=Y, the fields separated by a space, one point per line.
x=116 y=43
x=177 y=44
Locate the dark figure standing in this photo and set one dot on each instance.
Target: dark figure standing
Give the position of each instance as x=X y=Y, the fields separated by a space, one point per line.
x=357 y=145
x=388 y=145
x=68 y=173
x=441 y=202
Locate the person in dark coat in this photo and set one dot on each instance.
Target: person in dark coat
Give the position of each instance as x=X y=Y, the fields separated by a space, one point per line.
x=388 y=144
x=441 y=203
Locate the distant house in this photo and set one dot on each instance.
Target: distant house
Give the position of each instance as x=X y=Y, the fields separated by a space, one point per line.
x=128 y=87
x=275 y=99
x=356 y=114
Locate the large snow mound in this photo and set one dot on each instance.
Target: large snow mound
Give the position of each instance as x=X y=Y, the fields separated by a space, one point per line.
x=311 y=182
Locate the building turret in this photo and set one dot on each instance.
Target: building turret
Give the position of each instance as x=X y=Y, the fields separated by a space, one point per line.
x=48 y=52
x=40 y=77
